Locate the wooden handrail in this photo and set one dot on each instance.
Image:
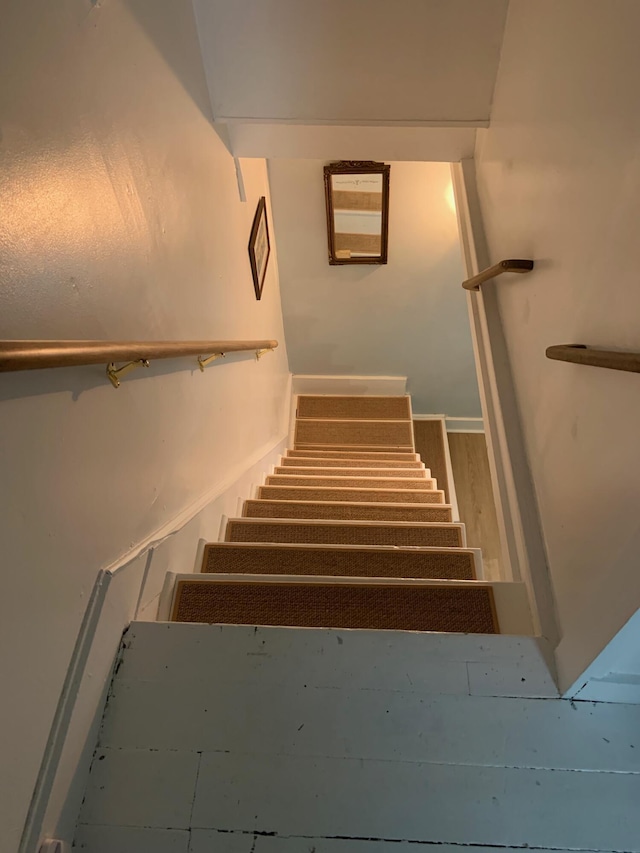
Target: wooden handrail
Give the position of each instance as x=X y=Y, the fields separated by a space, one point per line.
x=513 y=265
x=36 y=355
x=582 y=354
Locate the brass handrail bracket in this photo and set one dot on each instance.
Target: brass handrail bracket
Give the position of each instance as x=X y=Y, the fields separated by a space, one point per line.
x=203 y=362
x=115 y=374
x=261 y=352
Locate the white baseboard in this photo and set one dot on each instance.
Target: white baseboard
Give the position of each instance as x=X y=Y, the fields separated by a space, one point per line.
x=383 y=386
x=464 y=424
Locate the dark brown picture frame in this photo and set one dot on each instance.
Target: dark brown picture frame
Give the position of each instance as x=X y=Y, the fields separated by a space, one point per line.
x=357 y=167
x=258 y=256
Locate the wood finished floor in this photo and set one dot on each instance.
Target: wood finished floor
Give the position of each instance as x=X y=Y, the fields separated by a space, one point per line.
x=472 y=478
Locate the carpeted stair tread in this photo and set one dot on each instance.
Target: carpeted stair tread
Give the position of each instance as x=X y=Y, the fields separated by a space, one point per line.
x=360 y=495
x=346 y=510
x=385 y=464
x=351 y=432
x=350 y=482
x=336 y=532
x=336 y=453
x=373 y=473
x=356 y=408
x=339 y=560
x=348 y=449
x=380 y=606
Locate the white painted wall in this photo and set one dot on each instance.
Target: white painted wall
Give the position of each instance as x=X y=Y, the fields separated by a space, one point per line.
x=559 y=181
x=119 y=219
x=408 y=317
x=350 y=62
x=340 y=142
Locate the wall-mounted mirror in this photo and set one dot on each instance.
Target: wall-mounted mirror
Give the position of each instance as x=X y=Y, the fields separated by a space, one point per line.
x=357 y=194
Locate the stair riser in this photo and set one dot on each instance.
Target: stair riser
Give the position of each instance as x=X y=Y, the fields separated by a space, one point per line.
x=380 y=473
x=450 y=608
x=310 y=493
x=350 y=453
x=390 y=464
x=346 y=511
x=356 y=408
x=454 y=564
x=349 y=449
x=373 y=433
x=352 y=482
x=435 y=536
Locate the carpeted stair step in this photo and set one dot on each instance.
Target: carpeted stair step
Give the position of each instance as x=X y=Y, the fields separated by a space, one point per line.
x=347 y=510
x=388 y=464
x=350 y=482
x=337 y=453
x=382 y=605
x=336 y=532
x=387 y=434
x=428 y=495
x=348 y=449
x=393 y=473
x=340 y=560
x=355 y=408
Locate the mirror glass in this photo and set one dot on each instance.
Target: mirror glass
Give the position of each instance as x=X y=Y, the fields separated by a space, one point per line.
x=357 y=212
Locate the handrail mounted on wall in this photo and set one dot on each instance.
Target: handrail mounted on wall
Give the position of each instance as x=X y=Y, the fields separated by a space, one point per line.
x=36 y=355
x=582 y=354
x=513 y=265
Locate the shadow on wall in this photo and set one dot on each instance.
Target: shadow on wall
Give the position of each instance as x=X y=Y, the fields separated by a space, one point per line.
x=176 y=38
x=78 y=380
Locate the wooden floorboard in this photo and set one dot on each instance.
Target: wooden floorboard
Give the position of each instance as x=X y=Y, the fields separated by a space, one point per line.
x=476 y=505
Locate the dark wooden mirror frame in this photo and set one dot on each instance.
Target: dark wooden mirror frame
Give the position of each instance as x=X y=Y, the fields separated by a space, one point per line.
x=357 y=167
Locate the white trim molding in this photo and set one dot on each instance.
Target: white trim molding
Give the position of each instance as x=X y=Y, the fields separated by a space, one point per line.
x=464 y=424
x=516 y=507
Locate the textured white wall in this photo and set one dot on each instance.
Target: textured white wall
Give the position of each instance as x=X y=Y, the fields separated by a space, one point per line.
x=406 y=318
x=373 y=61
x=119 y=219
x=559 y=181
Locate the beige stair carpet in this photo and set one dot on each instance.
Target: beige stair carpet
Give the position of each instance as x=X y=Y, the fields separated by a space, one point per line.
x=348 y=449
x=351 y=482
x=358 y=453
x=302 y=462
x=356 y=408
x=345 y=533
x=368 y=433
x=339 y=560
x=398 y=607
x=317 y=493
x=402 y=473
x=347 y=511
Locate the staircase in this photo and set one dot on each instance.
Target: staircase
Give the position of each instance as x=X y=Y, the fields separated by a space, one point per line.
x=349 y=531
x=272 y=729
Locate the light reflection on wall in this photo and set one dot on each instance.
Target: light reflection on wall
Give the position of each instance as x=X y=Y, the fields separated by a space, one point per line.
x=65 y=204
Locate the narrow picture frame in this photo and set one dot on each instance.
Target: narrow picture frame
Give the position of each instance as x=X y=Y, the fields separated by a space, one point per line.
x=259 y=247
